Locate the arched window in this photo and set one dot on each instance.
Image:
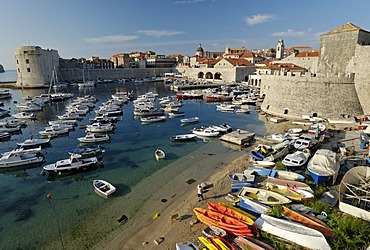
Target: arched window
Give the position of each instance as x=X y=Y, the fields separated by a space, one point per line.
x=286 y=111
x=314 y=114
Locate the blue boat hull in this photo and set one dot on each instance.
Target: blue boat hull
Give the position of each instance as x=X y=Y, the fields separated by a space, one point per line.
x=319 y=178
x=236 y=186
x=249 y=208
x=257 y=156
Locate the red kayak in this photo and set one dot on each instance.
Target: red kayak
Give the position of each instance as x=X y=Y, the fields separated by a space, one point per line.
x=229 y=224
x=230 y=212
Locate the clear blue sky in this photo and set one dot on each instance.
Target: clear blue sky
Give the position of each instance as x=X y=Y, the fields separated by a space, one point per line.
x=84 y=28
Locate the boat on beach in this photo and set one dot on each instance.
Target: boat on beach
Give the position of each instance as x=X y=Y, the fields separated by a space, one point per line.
x=281 y=174
x=294 y=232
x=230 y=212
x=159 y=154
x=263 y=196
x=227 y=223
x=354 y=192
x=308 y=221
x=103 y=188
x=253 y=207
x=297 y=159
x=287 y=183
x=323 y=166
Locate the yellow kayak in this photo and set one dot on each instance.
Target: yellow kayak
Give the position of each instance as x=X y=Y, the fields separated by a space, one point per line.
x=207 y=243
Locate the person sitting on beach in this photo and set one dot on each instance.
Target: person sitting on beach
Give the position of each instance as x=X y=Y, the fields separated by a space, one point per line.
x=200 y=193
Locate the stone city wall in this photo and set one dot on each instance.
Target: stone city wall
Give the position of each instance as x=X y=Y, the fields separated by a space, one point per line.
x=294 y=96
x=76 y=74
x=362 y=76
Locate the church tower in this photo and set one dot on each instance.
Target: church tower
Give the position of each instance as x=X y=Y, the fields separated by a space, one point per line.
x=200 y=51
x=280 y=49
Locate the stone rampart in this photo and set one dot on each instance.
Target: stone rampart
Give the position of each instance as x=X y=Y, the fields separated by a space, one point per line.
x=76 y=74
x=294 y=96
x=362 y=76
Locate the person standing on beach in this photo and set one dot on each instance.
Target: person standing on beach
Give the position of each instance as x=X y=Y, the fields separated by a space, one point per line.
x=200 y=193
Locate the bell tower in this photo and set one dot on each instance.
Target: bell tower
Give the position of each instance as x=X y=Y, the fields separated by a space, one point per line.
x=280 y=49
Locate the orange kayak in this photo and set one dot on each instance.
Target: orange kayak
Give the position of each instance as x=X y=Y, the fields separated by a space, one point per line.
x=229 y=224
x=230 y=212
x=308 y=221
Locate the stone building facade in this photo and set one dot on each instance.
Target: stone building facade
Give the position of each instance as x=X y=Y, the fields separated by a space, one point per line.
x=35 y=66
x=341 y=85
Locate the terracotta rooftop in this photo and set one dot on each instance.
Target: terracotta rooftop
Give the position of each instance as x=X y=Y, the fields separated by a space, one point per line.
x=238 y=62
x=308 y=54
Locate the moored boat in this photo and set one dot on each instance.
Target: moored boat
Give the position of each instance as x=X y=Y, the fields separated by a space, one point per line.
x=230 y=212
x=87 y=151
x=159 y=154
x=189 y=120
x=33 y=143
x=17 y=158
x=94 y=138
x=184 y=137
x=73 y=163
x=103 y=188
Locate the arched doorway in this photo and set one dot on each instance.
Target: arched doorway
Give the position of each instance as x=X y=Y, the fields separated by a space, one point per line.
x=286 y=111
x=200 y=75
x=218 y=76
x=209 y=75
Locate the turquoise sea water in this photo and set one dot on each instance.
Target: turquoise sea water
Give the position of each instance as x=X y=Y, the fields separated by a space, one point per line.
x=8 y=76
x=129 y=158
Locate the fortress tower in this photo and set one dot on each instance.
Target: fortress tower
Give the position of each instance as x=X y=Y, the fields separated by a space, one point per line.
x=280 y=49
x=341 y=85
x=35 y=66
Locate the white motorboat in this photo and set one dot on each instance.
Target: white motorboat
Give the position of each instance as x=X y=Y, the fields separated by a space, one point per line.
x=87 y=151
x=97 y=127
x=24 y=115
x=17 y=158
x=94 y=138
x=176 y=114
x=159 y=154
x=33 y=143
x=184 y=137
x=153 y=119
x=9 y=128
x=189 y=120
x=4 y=136
x=222 y=128
x=297 y=159
x=103 y=188
x=294 y=232
x=207 y=132
x=74 y=162
x=4 y=112
x=53 y=131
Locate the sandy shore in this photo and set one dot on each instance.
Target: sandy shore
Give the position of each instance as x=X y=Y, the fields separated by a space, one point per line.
x=170 y=191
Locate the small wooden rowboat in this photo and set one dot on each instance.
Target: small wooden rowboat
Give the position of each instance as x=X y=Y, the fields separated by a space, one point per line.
x=308 y=221
x=288 y=183
x=263 y=196
x=103 y=188
x=230 y=212
x=229 y=224
x=159 y=154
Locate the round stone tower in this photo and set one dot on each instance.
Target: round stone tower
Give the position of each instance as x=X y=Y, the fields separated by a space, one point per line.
x=35 y=66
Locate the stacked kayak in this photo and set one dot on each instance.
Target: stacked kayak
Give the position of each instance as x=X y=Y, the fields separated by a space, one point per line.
x=227 y=223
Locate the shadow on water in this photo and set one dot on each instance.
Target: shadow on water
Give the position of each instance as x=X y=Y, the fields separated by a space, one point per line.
x=122 y=189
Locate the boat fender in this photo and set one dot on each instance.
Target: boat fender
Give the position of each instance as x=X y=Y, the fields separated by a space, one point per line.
x=156 y=215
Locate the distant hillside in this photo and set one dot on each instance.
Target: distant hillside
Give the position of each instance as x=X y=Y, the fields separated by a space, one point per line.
x=2 y=69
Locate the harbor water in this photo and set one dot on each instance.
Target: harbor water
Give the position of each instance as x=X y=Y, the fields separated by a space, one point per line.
x=127 y=162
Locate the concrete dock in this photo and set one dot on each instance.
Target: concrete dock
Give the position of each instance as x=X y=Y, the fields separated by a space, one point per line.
x=238 y=137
